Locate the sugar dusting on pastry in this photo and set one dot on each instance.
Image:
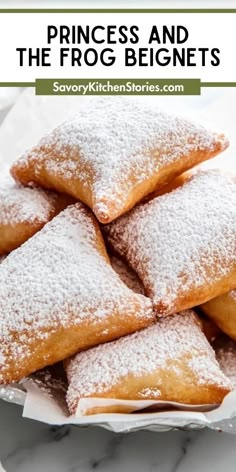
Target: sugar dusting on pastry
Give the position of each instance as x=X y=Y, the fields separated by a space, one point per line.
x=101 y=368
x=20 y=204
x=183 y=239
x=58 y=279
x=226 y=356
x=233 y=294
x=114 y=138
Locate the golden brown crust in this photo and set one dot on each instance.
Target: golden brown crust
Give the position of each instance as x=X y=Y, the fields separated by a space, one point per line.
x=222 y=310
x=59 y=295
x=24 y=211
x=174 y=363
x=198 y=295
x=66 y=342
x=26 y=172
x=13 y=235
x=141 y=162
x=210 y=395
x=172 y=185
x=182 y=244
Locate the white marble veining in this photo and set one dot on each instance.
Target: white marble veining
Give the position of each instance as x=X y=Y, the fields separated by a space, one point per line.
x=28 y=446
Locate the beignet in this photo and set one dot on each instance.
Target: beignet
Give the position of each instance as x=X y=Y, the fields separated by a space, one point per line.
x=115 y=152
x=24 y=211
x=59 y=294
x=169 y=361
x=182 y=244
x=222 y=310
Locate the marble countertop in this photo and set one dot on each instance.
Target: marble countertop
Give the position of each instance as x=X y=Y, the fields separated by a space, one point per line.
x=27 y=446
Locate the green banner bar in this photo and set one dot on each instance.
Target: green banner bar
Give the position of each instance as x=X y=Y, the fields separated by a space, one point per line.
x=17 y=84
x=118 y=87
x=153 y=81
x=218 y=84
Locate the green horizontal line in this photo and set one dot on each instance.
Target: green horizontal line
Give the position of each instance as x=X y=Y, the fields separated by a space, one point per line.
x=218 y=84
x=32 y=84
x=17 y=84
x=115 y=10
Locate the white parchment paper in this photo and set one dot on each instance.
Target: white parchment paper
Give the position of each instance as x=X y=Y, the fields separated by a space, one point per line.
x=41 y=406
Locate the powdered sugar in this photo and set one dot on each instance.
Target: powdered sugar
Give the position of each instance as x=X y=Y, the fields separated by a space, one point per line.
x=52 y=380
x=19 y=204
x=97 y=370
x=226 y=356
x=181 y=240
x=58 y=279
x=233 y=294
x=112 y=139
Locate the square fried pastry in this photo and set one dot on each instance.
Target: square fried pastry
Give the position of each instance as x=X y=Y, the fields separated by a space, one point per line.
x=169 y=361
x=24 y=211
x=115 y=152
x=182 y=244
x=59 y=294
x=222 y=310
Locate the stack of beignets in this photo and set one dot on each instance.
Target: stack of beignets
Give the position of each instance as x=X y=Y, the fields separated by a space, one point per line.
x=125 y=316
